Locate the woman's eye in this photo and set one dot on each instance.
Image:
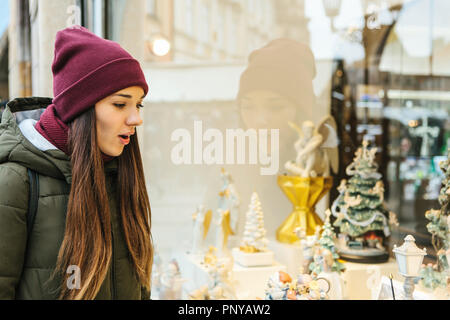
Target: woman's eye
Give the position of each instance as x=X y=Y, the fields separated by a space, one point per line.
x=122 y=105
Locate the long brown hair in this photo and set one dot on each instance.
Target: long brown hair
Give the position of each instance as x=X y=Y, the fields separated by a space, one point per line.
x=87 y=241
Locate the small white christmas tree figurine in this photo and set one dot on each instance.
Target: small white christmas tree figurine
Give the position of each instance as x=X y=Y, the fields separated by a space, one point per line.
x=253 y=250
x=326 y=257
x=254 y=239
x=229 y=199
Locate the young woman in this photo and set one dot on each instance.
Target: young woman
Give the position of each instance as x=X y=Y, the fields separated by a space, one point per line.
x=90 y=238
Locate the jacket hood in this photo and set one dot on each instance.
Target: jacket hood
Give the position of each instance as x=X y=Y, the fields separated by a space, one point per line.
x=14 y=147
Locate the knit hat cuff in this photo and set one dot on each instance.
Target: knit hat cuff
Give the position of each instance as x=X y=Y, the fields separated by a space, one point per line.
x=104 y=81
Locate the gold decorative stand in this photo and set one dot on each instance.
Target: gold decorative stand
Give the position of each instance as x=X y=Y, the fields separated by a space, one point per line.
x=304 y=193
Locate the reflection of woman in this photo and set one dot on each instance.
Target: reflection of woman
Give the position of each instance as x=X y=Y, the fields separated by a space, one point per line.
x=91 y=233
x=275 y=88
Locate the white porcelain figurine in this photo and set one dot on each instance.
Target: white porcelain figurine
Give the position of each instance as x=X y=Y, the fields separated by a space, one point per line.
x=316 y=149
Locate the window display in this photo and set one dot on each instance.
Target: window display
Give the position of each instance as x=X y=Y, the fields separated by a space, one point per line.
x=286 y=146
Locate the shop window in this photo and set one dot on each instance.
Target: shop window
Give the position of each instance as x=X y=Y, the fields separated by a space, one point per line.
x=397 y=98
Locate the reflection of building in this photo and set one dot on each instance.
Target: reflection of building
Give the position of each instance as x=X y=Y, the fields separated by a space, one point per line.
x=217 y=30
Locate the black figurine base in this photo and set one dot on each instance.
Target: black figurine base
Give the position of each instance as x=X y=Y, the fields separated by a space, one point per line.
x=369 y=259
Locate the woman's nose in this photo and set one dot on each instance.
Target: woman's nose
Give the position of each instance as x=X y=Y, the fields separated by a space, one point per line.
x=135 y=119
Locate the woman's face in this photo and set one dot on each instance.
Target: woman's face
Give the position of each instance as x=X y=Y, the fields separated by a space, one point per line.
x=117 y=118
x=262 y=109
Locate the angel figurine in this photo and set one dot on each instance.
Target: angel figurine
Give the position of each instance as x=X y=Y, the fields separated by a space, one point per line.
x=202 y=221
x=229 y=199
x=316 y=149
x=223 y=231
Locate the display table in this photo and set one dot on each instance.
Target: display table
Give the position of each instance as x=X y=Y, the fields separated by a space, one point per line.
x=361 y=281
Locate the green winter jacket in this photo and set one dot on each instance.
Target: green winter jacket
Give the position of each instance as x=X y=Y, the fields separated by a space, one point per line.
x=24 y=271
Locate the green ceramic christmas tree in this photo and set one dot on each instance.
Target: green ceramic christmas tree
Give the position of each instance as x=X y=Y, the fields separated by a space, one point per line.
x=360 y=211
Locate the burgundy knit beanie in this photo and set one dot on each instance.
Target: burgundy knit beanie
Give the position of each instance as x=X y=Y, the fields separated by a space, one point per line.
x=86 y=69
x=284 y=66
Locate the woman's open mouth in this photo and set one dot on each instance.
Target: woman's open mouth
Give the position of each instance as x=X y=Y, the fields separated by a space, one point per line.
x=124 y=139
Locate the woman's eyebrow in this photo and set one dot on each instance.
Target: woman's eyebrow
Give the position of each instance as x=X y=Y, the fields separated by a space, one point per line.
x=127 y=96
